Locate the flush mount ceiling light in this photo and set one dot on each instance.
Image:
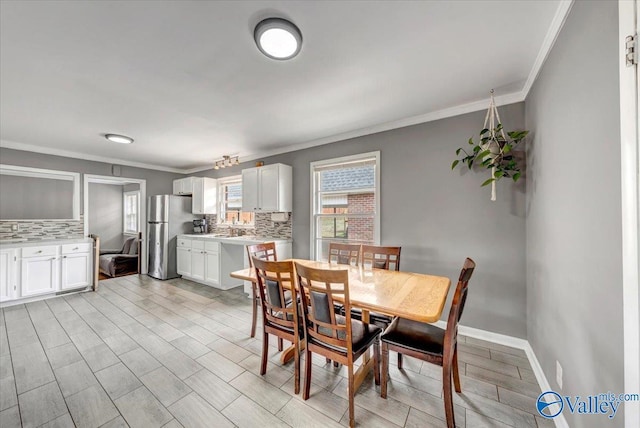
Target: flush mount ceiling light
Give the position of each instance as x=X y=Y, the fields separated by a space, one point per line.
x=120 y=139
x=278 y=38
x=226 y=161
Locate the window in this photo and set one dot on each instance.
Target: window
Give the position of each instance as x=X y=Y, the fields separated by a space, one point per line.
x=345 y=202
x=230 y=194
x=131 y=206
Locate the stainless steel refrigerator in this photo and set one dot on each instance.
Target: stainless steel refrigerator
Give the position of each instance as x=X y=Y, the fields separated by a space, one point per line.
x=169 y=216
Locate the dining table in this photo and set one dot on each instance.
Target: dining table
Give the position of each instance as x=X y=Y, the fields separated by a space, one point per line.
x=415 y=296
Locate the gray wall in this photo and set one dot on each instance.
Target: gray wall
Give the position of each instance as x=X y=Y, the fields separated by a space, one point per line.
x=35 y=198
x=438 y=216
x=158 y=182
x=105 y=214
x=574 y=259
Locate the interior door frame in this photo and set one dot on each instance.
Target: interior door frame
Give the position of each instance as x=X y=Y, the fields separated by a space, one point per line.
x=142 y=218
x=629 y=18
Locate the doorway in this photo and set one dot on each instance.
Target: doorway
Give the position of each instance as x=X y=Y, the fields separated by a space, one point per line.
x=115 y=207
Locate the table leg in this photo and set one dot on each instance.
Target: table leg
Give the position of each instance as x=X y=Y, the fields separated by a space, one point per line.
x=288 y=354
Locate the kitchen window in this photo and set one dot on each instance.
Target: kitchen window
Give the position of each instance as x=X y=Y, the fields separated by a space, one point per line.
x=345 y=202
x=131 y=208
x=230 y=194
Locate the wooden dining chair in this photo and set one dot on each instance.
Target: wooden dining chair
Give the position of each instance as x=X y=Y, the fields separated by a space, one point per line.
x=337 y=337
x=344 y=254
x=377 y=257
x=278 y=299
x=263 y=251
x=430 y=343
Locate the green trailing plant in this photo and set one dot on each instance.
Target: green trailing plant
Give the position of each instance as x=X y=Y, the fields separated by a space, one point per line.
x=493 y=150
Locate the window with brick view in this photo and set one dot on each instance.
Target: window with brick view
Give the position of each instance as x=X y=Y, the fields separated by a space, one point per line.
x=344 y=202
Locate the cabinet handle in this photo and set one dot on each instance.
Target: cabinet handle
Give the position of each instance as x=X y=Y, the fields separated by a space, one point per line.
x=189 y=250
x=64 y=257
x=74 y=249
x=39 y=251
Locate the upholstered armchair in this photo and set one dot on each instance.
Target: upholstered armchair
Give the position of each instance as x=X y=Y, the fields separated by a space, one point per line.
x=121 y=262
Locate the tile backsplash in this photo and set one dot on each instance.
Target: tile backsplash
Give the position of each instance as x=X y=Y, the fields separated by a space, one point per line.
x=263 y=226
x=41 y=230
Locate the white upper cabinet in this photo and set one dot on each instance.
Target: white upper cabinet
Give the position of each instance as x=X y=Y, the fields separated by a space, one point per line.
x=183 y=186
x=267 y=188
x=204 y=195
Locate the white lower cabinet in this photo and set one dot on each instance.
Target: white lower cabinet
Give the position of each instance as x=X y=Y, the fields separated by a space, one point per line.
x=39 y=275
x=183 y=264
x=199 y=260
x=34 y=271
x=8 y=286
x=212 y=263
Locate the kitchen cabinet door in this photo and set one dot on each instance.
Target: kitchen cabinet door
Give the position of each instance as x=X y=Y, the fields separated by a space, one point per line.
x=212 y=267
x=268 y=188
x=183 y=265
x=250 y=189
x=75 y=270
x=7 y=275
x=197 y=264
x=39 y=275
x=204 y=195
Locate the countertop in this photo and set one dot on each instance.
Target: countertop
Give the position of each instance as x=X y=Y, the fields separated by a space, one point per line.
x=235 y=240
x=23 y=243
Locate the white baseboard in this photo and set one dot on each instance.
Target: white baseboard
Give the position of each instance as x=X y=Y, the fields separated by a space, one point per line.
x=514 y=342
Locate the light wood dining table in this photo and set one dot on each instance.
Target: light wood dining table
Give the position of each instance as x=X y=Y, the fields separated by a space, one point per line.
x=415 y=296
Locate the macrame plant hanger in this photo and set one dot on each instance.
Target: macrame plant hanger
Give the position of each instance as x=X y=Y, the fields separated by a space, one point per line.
x=492 y=119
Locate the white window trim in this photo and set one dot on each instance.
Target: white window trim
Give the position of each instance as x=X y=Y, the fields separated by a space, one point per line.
x=124 y=213
x=221 y=213
x=344 y=159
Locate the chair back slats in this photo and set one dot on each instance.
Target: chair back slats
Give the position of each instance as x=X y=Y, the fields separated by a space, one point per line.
x=263 y=251
x=344 y=254
x=274 y=279
x=319 y=290
x=381 y=257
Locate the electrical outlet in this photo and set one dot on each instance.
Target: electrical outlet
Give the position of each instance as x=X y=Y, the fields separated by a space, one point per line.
x=559 y=374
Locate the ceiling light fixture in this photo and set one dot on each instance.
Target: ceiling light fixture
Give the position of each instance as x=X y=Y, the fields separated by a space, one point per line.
x=226 y=161
x=278 y=38
x=120 y=139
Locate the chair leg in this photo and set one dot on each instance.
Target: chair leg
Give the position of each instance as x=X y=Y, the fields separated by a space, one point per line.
x=399 y=360
x=265 y=350
x=280 y=347
x=376 y=361
x=351 y=393
x=456 y=375
x=385 y=370
x=307 y=374
x=255 y=310
x=448 y=395
x=296 y=367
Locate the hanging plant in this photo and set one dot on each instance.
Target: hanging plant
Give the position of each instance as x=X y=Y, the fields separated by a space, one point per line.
x=493 y=151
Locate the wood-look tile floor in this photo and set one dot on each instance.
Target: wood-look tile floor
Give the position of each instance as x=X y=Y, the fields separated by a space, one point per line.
x=147 y=353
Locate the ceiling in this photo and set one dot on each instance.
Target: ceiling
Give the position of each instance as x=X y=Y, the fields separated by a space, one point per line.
x=186 y=81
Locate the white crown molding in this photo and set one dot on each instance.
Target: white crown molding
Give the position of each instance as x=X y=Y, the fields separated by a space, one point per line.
x=562 y=12
x=76 y=155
